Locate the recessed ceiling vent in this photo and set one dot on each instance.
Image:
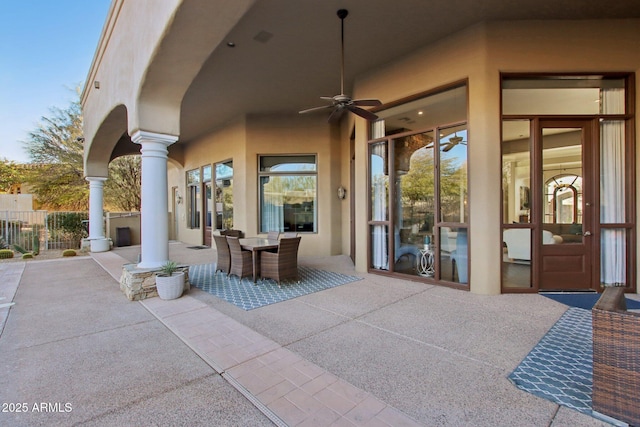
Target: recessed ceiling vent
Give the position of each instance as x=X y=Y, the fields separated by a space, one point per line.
x=263 y=36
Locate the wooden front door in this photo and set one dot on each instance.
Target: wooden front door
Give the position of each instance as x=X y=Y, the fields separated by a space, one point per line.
x=568 y=210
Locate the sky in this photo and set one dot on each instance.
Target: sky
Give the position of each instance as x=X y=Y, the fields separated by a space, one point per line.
x=46 y=49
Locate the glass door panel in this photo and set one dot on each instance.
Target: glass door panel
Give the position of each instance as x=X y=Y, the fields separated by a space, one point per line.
x=562 y=185
x=224 y=196
x=414 y=202
x=453 y=174
x=379 y=196
x=516 y=204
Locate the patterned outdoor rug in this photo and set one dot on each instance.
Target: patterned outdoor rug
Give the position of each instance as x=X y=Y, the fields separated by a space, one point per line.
x=584 y=300
x=247 y=295
x=560 y=366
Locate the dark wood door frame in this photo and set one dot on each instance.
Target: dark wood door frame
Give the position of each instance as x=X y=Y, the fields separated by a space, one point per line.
x=569 y=264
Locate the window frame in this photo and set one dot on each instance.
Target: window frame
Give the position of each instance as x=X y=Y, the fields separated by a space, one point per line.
x=193 y=193
x=262 y=174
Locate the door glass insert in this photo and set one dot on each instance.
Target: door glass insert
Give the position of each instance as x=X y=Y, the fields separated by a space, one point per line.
x=379 y=196
x=562 y=189
x=613 y=256
x=453 y=174
x=516 y=204
x=414 y=201
x=454 y=254
x=224 y=196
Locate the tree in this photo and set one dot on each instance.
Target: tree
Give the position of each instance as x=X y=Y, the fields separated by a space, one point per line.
x=58 y=182
x=56 y=146
x=11 y=175
x=122 y=189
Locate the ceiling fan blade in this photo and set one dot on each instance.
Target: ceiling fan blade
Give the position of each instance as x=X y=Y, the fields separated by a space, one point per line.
x=448 y=147
x=336 y=114
x=311 y=110
x=362 y=112
x=367 y=102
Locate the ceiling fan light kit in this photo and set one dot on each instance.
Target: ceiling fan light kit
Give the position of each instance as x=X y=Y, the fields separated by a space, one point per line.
x=341 y=103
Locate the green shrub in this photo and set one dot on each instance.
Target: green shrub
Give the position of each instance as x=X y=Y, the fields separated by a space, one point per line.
x=68 y=226
x=20 y=249
x=28 y=255
x=36 y=244
x=69 y=252
x=6 y=253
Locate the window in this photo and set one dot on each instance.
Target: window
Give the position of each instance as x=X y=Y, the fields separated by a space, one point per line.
x=224 y=196
x=418 y=188
x=288 y=193
x=193 y=191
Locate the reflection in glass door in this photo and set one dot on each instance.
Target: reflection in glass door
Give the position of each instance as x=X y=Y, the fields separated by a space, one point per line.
x=224 y=196
x=415 y=229
x=567 y=221
x=414 y=204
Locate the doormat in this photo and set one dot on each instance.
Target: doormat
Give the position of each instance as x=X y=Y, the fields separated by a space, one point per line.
x=560 y=366
x=248 y=296
x=584 y=300
x=197 y=247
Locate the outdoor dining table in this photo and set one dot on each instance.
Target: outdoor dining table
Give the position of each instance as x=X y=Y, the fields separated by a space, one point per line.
x=256 y=245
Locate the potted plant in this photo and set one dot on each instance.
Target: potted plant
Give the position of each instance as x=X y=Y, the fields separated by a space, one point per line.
x=169 y=281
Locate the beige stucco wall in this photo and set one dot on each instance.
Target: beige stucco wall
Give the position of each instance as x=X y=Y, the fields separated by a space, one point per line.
x=157 y=67
x=123 y=50
x=124 y=219
x=480 y=54
x=243 y=141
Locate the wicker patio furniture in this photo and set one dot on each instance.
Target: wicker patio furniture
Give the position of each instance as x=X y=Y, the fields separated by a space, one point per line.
x=282 y=264
x=273 y=235
x=241 y=260
x=616 y=357
x=289 y=234
x=231 y=232
x=223 y=262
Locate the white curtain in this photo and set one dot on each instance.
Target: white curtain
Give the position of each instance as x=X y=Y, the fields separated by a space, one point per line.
x=612 y=190
x=379 y=202
x=272 y=206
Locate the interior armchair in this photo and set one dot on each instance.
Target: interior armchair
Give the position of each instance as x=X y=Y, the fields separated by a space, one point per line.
x=282 y=264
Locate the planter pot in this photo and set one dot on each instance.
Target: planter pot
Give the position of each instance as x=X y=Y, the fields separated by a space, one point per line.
x=170 y=287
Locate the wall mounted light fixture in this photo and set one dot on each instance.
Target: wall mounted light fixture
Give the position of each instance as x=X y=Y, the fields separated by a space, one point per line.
x=342 y=192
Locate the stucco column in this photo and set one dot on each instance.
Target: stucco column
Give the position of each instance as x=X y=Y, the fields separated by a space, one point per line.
x=154 y=233
x=99 y=243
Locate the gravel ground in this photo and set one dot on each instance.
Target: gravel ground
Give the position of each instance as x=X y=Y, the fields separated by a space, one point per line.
x=44 y=255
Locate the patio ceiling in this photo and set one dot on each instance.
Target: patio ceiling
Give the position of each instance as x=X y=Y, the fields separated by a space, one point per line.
x=287 y=53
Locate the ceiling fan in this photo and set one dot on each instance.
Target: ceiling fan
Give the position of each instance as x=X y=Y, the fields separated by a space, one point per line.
x=453 y=141
x=341 y=103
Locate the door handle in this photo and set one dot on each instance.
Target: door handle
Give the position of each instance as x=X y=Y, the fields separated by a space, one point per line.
x=587 y=233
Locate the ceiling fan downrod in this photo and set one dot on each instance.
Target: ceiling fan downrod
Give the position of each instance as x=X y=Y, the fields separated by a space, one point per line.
x=342 y=13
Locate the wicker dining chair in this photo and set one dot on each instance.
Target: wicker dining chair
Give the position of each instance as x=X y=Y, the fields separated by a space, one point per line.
x=241 y=260
x=282 y=264
x=231 y=232
x=273 y=235
x=290 y=234
x=224 y=256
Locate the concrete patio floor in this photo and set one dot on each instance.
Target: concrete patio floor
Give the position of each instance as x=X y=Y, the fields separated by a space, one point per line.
x=393 y=352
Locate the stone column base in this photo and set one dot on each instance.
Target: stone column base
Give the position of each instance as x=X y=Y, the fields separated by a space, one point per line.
x=100 y=245
x=140 y=283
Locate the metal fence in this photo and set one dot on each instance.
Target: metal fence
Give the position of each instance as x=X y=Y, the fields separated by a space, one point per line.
x=35 y=231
